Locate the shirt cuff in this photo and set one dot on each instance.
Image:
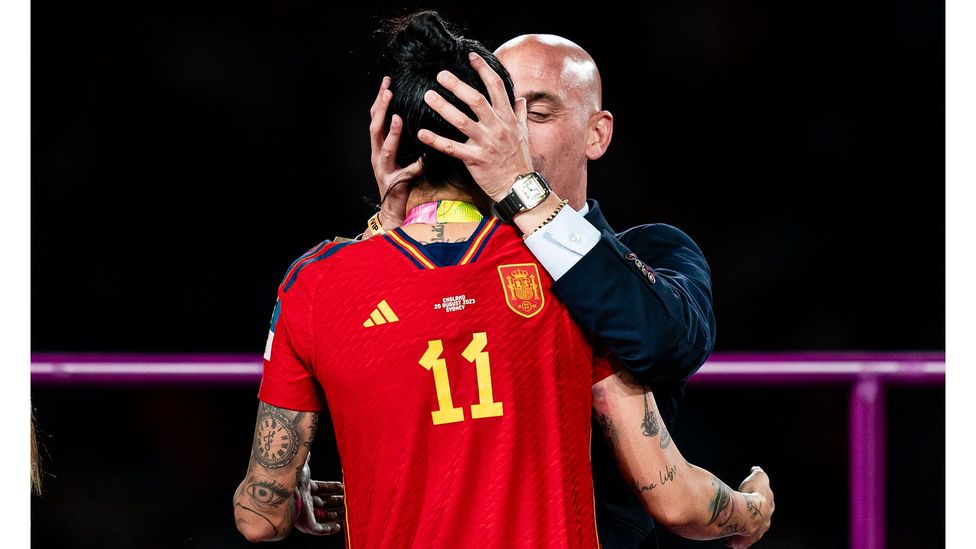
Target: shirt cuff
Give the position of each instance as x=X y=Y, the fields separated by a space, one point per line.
x=559 y=244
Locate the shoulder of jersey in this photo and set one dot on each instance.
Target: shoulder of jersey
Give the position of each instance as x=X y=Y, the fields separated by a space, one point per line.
x=508 y=235
x=314 y=259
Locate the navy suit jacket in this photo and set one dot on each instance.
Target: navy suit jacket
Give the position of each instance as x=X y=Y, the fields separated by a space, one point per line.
x=645 y=294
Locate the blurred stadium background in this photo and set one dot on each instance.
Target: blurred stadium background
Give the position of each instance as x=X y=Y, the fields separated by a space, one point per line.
x=184 y=153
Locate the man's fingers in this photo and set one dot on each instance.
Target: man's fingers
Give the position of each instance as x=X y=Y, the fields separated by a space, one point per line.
x=330 y=528
x=323 y=528
x=334 y=502
x=471 y=97
x=335 y=515
x=447 y=146
x=494 y=83
x=452 y=114
x=326 y=487
x=329 y=503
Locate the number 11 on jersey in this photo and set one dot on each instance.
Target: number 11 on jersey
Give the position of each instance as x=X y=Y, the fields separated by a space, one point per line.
x=474 y=352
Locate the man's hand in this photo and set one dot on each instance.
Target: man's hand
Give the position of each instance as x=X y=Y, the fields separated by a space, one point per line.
x=760 y=506
x=323 y=505
x=497 y=149
x=390 y=178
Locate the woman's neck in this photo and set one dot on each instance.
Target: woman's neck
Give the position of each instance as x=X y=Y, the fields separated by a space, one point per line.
x=425 y=233
x=423 y=194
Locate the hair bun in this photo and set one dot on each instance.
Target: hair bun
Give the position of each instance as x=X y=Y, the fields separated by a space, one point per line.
x=422 y=39
x=418 y=47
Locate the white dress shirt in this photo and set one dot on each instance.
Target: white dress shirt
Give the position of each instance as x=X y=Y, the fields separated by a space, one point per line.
x=559 y=244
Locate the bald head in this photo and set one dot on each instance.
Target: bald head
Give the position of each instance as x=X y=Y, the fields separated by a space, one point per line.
x=558 y=60
x=564 y=97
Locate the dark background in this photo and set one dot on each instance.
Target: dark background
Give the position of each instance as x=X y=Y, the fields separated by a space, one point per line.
x=184 y=153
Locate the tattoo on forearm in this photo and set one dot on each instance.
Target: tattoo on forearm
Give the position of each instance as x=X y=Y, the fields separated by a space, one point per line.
x=664 y=476
x=276 y=437
x=641 y=489
x=668 y=474
x=267 y=494
x=289 y=521
x=312 y=429
x=649 y=424
x=608 y=427
x=731 y=529
x=754 y=506
x=246 y=508
x=665 y=437
x=722 y=505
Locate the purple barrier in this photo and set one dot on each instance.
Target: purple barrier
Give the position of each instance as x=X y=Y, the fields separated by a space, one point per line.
x=721 y=368
x=868 y=374
x=112 y=369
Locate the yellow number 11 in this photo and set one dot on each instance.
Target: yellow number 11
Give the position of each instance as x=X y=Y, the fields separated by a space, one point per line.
x=474 y=352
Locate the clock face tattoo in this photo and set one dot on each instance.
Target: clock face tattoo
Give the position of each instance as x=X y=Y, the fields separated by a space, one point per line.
x=276 y=439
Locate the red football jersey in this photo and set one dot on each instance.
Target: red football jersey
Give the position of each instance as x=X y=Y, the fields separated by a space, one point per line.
x=460 y=394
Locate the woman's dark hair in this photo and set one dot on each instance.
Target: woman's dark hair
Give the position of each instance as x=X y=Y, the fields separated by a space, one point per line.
x=420 y=46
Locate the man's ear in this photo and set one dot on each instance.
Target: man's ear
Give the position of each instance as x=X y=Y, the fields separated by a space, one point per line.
x=599 y=132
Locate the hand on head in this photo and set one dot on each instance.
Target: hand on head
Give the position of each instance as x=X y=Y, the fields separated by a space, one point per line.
x=390 y=176
x=497 y=150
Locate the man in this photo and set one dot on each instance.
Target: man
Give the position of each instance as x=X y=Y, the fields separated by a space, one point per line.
x=656 y=320
x=666 y=329
x=283 y=431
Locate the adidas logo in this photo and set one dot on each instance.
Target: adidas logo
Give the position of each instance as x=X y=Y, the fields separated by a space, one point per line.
x=381 y=315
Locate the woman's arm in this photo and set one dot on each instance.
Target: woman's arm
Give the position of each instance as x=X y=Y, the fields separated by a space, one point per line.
x=265 y=503
x=682 y=497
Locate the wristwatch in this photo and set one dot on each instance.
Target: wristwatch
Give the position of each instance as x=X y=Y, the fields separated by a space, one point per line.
x=527 y=192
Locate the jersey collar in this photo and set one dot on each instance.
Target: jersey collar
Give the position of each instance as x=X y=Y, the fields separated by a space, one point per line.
x=415 y=251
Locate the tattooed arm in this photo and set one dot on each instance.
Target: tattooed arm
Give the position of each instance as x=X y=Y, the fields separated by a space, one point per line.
x=264 y=504
x=686 y=499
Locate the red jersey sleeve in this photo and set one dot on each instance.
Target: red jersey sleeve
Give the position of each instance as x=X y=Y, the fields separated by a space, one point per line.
x=289 y=379
x=603 y=368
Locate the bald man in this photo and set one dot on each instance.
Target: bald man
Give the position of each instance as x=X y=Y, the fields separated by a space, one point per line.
x=645 y=293
x=566 y=122
x=655 y=272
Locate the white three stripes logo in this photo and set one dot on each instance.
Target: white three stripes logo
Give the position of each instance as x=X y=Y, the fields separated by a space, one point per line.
x=381 y=315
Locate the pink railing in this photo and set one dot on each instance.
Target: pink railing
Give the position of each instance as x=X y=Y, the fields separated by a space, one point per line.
x=867 y=374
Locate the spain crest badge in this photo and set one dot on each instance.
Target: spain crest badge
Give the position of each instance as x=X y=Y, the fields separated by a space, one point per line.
x=522 y=287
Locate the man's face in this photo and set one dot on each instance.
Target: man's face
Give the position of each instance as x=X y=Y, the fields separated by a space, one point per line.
x=557 y=114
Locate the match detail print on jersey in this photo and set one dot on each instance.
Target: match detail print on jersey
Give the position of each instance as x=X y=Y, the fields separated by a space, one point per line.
x=523 y=292
x=474 y=352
